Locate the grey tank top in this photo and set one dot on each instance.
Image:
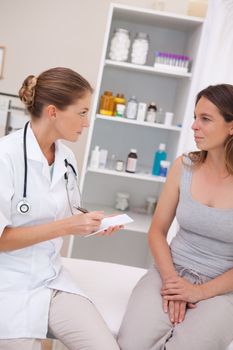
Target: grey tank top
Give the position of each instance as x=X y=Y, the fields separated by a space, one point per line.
x=204 y=241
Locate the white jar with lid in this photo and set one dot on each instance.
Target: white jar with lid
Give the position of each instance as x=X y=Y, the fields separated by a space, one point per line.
x=140 y=48
x=120 y=43
x=122 y=201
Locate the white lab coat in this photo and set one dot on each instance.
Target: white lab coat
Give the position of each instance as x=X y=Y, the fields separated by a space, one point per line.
x=28 y=275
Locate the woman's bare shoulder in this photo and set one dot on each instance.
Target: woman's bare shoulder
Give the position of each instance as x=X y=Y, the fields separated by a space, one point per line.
x=174 y=175
x=177 y=165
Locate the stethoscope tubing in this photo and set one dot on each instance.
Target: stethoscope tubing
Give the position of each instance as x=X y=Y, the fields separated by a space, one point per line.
x=23 y=206
x=25 y=160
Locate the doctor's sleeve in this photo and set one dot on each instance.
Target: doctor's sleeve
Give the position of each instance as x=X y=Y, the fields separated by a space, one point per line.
x=6 y=193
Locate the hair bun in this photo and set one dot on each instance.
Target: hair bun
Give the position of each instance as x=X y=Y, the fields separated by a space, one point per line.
x=27 y=91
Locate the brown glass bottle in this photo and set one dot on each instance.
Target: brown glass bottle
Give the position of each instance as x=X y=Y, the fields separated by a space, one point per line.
x=131 y=163
x=107 y=103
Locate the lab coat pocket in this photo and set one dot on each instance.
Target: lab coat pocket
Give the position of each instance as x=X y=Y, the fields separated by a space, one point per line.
x=13 y=306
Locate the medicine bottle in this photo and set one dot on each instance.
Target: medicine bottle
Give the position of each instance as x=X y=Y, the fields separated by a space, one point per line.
x=131 y=163
x=119 y=105
x=160 y=116
x=150 y=205
x=140 y=48
x=120 y=43
x=168 y=118
x=141 y=112
x=103 y=158
x=106 y=103
x=131 y=109
x=164 y=166
x=160 y=155
x=119 y=165
x=151 y=113
x=95 y=157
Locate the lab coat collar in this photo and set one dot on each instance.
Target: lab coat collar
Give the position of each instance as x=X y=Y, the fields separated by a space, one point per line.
x=34 y=153
x=59 y=164
x=33 y=149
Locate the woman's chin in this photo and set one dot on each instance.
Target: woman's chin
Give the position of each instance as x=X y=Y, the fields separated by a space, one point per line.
x=201 y=148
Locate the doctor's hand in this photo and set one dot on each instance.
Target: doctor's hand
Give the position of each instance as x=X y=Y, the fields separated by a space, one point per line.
x=83 y=224
x=110 y=230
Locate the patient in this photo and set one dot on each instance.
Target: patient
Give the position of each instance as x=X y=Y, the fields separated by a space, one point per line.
x=185 y=301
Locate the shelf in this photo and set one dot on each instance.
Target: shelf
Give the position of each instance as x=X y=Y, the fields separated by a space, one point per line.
x=141 y=221
x=159 y=18
x=135 y=122
x=136 y=176
x=147 y=69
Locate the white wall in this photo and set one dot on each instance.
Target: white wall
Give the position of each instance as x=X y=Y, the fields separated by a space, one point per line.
x=42 y=34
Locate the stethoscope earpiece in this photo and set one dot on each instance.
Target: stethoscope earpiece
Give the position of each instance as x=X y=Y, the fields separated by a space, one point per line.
x=23 y=207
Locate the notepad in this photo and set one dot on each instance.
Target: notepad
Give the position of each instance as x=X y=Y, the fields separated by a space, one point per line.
x=121 y=219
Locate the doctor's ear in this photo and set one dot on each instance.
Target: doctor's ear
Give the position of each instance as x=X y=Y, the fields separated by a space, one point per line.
x=231 y=129
x=51 y=111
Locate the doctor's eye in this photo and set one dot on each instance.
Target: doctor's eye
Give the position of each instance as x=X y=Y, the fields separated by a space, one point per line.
x=83 y=114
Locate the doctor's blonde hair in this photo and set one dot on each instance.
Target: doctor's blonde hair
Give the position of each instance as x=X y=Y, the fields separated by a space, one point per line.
x=58 y=86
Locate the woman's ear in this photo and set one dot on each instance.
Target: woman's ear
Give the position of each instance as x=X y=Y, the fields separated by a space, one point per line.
x=51 y=112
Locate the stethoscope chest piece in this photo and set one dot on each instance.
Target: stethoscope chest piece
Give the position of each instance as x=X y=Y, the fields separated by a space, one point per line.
x=23 y=207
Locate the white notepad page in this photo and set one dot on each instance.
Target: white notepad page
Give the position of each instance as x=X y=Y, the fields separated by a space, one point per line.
x=121 y=219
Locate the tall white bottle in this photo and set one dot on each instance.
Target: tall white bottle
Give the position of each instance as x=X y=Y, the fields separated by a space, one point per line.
x=95 y=157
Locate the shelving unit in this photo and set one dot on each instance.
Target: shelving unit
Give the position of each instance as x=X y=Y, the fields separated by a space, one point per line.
x=138 y=176
x=147 y=69
x=135 y=122
x=169 y=89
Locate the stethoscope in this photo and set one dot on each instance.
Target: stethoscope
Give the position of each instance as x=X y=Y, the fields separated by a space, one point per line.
x=23 y=207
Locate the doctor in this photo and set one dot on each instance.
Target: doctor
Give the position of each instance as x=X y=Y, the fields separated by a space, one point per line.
x=38 y=196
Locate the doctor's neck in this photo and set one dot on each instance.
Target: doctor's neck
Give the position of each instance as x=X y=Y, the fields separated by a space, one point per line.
x=45 y=138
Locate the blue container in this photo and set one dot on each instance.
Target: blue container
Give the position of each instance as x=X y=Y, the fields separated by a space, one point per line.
x=162 y=170
x=159 y=155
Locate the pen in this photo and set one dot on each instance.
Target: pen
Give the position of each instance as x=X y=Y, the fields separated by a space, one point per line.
x=83 y=210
